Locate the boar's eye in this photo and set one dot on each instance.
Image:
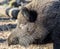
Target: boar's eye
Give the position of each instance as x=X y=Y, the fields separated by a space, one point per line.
x=30 y=15
x=33 y=16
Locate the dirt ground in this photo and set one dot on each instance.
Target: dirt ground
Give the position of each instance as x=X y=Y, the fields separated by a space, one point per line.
x=5 y=33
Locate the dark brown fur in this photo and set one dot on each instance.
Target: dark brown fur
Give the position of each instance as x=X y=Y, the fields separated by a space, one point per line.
x=47 y=21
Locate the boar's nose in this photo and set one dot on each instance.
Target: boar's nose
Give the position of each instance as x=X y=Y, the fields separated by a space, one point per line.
x=14 y=41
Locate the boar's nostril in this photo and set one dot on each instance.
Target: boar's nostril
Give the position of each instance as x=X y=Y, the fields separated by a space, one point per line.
x=15 y=41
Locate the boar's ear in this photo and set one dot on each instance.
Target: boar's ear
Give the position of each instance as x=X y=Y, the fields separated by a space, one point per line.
x=25 y=12
x=30 y=15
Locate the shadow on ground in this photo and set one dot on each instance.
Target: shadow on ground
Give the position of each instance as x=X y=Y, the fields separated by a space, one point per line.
x=2 y=40
x=6 y=27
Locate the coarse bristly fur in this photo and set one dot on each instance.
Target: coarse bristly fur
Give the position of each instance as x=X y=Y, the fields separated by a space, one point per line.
x=45 y=13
